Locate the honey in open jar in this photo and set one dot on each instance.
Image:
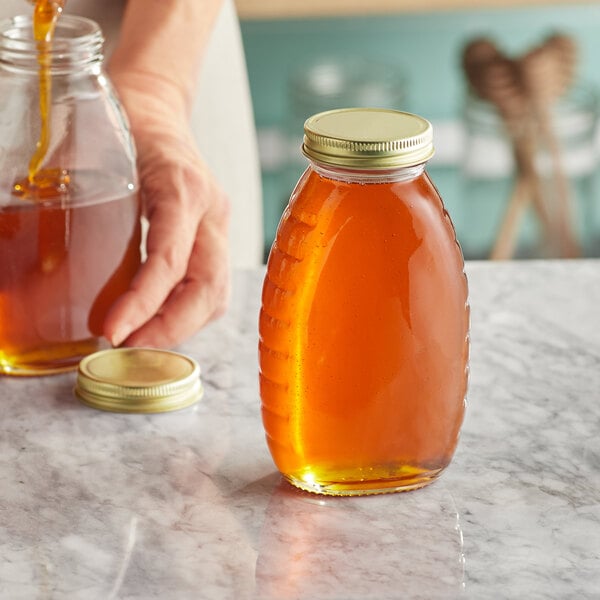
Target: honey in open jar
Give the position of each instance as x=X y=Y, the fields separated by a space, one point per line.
x=364 y=319
x=65 y=265
x=69 y=203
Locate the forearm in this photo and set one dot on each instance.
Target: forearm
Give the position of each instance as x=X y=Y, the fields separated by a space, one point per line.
x=184 y=281
x=160 y=49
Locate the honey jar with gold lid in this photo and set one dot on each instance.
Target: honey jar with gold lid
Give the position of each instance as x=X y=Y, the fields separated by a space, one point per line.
x=364 y=320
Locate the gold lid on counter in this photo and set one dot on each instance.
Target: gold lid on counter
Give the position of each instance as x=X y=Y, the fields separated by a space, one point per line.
x=138 y=380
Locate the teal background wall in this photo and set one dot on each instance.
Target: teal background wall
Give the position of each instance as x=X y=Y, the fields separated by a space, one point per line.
x=427 y=47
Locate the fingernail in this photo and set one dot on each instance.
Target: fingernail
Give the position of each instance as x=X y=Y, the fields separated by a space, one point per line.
x=120 y=335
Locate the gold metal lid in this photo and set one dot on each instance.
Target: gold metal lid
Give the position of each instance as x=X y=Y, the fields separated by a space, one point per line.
x=368 y=138
x=138 y=380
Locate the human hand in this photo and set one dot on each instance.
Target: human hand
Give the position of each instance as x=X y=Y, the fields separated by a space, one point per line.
x=184 y=283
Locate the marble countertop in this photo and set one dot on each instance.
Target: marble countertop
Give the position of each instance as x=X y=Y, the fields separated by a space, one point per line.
x=188 y=505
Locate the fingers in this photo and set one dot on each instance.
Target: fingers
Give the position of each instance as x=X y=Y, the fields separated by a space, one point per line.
x=200 y=297
x=184 y=282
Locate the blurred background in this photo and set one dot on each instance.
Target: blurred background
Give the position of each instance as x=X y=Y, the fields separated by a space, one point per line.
x=312 y=55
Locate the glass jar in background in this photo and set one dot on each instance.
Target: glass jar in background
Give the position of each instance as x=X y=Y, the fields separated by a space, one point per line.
x=68 y=249
x=489 y=177
x=330 y=83
x=364 y=319
x=325 y=84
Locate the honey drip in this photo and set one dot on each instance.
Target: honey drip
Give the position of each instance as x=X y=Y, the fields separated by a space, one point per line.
x=41 y=184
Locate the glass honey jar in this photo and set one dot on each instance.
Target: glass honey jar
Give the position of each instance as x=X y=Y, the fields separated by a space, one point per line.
x=69 y=206
x=364 y=324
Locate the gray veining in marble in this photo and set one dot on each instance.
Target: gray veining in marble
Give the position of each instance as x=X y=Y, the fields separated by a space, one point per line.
x=188 y=505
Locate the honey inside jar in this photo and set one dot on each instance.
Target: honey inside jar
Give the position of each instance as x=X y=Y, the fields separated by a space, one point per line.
x=64 y=267
x=335 y=412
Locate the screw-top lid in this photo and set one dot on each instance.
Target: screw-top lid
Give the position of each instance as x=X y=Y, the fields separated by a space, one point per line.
x=138 y=380
x=368 y=138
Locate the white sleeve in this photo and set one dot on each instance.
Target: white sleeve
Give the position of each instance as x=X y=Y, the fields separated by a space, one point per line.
x=223 y=123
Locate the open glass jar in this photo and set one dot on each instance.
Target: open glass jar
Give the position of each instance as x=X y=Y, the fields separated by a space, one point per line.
x=70 y=240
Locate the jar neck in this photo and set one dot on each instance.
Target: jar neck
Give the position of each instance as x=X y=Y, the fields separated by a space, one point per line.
x=368 y=176
x=77 y=45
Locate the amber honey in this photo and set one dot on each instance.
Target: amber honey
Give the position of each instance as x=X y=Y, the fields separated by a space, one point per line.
x=363 y=336
x=40 y=184
x=45 y=17
x=369 y=384
x=65 y=262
